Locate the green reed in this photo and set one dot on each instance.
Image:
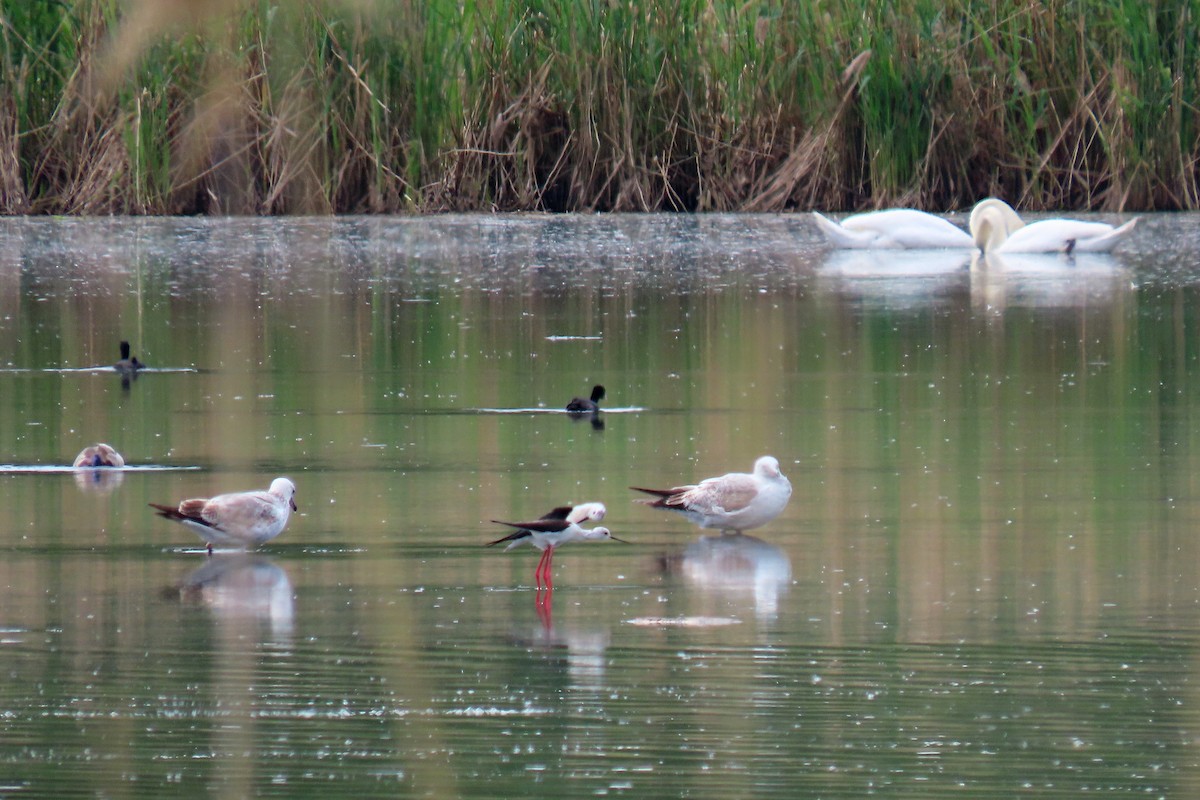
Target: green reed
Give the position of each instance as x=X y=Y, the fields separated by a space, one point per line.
x=321 y=106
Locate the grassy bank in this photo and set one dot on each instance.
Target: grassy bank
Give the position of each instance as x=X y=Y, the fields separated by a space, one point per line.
x=233 y=106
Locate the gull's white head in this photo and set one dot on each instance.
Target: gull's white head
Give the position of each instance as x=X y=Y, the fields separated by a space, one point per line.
x=585 y=511
x=285 y=489
x=767 y=467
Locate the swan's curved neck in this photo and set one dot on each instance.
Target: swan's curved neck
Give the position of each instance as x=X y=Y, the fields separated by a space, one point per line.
x=992 y=222
x=988 y=232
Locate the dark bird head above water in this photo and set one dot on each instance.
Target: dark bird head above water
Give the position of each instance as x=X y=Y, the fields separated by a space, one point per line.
x=127 y=363
x=582 y=405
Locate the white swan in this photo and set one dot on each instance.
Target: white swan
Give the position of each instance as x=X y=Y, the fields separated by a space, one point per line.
x=897 y=228
x=996 y=228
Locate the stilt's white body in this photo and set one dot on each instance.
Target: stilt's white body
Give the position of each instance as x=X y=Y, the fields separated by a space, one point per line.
x=554 y=529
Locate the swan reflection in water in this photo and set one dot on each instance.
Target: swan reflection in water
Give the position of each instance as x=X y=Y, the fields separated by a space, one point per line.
x=736 y=565
x=242 y=587
x=1047 y=280
x=914 y=279
x=894 y=278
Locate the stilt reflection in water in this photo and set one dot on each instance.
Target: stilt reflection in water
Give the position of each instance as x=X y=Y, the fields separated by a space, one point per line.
x=584 y=646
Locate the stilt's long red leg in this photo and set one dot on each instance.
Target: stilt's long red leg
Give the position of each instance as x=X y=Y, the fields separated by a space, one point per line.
x=549 y=567
x=537 y=573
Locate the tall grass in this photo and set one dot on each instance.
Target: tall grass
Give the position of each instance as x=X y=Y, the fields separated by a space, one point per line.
x=317 y=106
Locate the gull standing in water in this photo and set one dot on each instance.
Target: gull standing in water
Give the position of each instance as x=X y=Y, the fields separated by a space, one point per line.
x=735 y=502
x=243 y=519
x=559 y=526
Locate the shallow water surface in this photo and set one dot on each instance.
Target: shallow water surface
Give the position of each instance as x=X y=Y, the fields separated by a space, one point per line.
x=985 y=584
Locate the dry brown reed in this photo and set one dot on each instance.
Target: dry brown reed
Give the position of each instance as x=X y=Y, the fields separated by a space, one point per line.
x=230 y=106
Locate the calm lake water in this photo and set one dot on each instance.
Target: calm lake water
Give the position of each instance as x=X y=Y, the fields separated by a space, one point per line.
x=987 y=582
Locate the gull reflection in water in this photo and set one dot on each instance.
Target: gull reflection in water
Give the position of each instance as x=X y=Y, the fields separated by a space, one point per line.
x=735 y=564
x=240 y=587
x=98 y=468
x=98 y=480
x=250 y=600
x=1047 y=280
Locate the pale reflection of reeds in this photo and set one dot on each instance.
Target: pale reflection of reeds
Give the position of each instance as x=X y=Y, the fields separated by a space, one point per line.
x=971 y=492
x=925 y=447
